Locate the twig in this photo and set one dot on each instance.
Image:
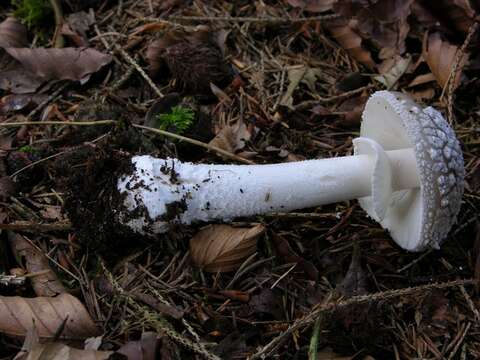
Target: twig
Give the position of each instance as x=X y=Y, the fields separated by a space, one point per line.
x=455 y=68
x=156 y=131
x=137 y=67
x=254 y=19
x=196 y=142
x=38 y=227
x=309 y=103
x=58 y=13
x=362 y=299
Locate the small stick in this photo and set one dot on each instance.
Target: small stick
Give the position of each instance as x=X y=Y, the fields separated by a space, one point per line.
x=156 y=131
x=33 y=226
x=269 y=19
x=137 y=67
x=309 y=103
x=455 y=68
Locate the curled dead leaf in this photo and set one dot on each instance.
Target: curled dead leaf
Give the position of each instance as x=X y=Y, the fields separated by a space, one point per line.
x=232 y=137
x=223 y=247
x=440 y=56
x=144 y=349
x=35 y=261
x=12 y=33
x=59 y=351
x=48 y=314
x=342 y=31
x=60 y=64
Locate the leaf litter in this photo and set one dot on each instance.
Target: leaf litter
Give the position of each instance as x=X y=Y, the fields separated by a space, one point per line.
x=269 y=81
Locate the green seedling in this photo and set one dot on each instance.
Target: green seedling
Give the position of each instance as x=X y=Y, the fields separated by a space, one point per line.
x=27 y=149
x=32 y=12
x=180 y=119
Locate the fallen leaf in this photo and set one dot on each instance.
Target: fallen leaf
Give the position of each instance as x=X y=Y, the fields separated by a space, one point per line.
x=60 y=64
x=223 y=247
x=144 y=349
x=59 y=351
x=12 y=33
x=440 y=56
x=313 y=5
x=392 y=75
x=48 y=314
x=422 y=79
x=383 y=23
x=355 y=281
x=288 y=255
x=232 y=137
x=16 y=102
x=342 y=31
x=295 y=75
x=35 y=261
x=445 y=15
x=76 y=26
x=19 y=81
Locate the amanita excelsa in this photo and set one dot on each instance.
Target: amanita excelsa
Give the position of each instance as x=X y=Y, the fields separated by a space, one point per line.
x=407 y=172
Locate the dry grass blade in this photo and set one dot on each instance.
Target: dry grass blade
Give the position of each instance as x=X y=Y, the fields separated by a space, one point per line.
x=60 y=64
x=47 y=314
x=43 y=285
x=440 y=56
x=59 y=351
x=223 y=247
x=12 y=33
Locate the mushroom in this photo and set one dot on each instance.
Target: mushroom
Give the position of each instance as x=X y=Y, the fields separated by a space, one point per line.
x=407 y=173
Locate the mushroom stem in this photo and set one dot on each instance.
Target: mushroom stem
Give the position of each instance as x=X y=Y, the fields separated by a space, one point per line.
x=174 y=192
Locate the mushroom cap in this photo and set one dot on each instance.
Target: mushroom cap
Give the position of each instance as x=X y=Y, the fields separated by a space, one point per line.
x=420 y=217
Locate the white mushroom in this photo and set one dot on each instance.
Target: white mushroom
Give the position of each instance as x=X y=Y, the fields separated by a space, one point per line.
x=407 y=172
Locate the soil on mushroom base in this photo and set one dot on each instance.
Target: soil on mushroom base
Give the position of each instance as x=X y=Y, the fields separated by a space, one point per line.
x=89 y=178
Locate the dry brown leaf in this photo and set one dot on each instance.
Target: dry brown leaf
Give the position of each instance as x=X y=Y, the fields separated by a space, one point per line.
x=48 y=315
x=313 y=5
x=384 y=23
x=144 y=349
x=355 y=281
x=445 y=15
x=35 y=261
x=342 y=31
x=19 y=81
x=12 y=33
x=16 y=102
x=60 y=64
x=59 y=351
x=223 y=247
x=288 y=255
x=232 y=137
x=440 y=56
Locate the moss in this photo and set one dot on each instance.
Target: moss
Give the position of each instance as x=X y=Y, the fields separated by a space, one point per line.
x=32 y=12
x=179 y=119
